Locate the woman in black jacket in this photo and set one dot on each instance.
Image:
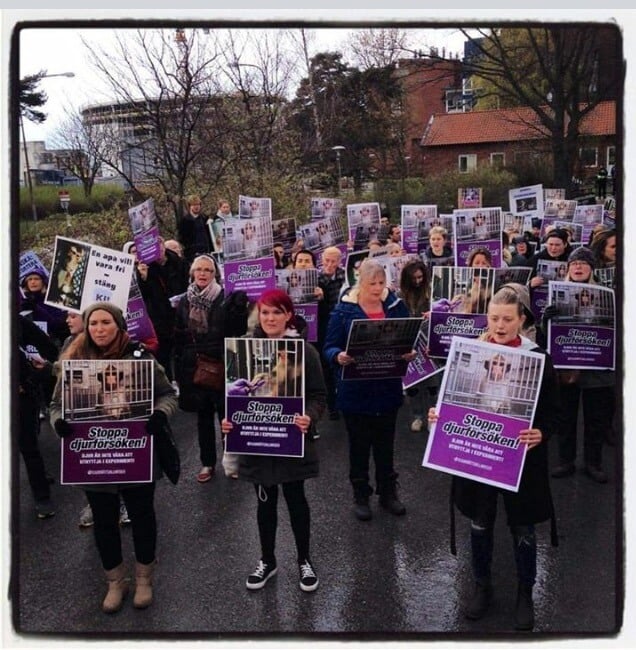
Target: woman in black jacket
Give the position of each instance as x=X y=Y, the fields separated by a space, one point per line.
x=532 y=503
x=204 y=318
x=276 y=319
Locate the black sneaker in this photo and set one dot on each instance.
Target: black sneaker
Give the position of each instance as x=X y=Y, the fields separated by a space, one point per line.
x=261 y=575
x=44 y=509
x=308 y=577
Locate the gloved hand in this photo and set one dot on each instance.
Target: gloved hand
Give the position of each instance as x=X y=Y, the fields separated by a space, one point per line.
x=62 y=428
x=156 y=422
x=243 y=388
x=548 y=313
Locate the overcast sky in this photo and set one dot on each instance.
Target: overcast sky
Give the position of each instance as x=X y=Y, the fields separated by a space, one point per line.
x=61 y=50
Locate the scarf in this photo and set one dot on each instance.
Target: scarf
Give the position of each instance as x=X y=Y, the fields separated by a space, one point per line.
x=200 y=301
x=515 y=343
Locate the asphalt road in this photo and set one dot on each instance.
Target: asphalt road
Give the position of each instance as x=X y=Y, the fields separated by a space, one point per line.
x=390 y=578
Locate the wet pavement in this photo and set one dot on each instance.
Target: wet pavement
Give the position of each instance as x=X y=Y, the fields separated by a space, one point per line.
x=389 y=578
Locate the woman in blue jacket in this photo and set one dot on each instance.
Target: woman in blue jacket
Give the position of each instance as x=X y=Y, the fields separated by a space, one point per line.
x=369 y=406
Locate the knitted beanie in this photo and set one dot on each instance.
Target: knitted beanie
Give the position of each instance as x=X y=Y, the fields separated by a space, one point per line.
x=582 y=254
x=113 y=310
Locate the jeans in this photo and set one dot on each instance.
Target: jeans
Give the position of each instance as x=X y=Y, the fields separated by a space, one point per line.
x=139 y=502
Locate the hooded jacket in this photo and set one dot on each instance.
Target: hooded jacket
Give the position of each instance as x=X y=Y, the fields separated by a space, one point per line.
x=364 y=396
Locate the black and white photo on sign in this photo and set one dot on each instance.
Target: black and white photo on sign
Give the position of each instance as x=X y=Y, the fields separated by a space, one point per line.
x=284 y=232
x=461 y=290
x=413 y=215
x=365 y=214
x=551 y=270
x=518 y=274
x=606 y=276
x=492 y=378
x=142 y=217
x=299 y=284
x=477 y=224
x=319 y=234
x=552 y=194
x=559 y=208
x=578 y=303
x=265 y=367
x=251 y=207
x=512 y=223
x=325 y=208
x=107 y=389
x=528 y=200
x=247 y=239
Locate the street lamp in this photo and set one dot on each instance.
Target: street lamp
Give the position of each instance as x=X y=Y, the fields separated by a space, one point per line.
x=24 y=145
x=338 y=148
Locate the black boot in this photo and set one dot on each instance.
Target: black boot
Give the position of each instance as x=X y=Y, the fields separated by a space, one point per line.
x=481 y=546
x=478 y=605
x=524 y=609
x=525 y=549
x=361 y=492
x=387 y=489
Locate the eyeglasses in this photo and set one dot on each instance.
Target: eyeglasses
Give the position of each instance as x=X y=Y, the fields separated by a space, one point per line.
x=203 y=270
x=579 y=263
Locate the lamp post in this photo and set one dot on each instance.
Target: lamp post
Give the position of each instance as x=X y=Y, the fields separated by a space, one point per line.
x=338 y=148
x=24 y=145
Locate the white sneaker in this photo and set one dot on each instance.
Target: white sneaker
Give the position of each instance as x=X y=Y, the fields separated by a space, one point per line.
x=416 y=425
x=123 y=515
x=175 y=385
x=86 y=517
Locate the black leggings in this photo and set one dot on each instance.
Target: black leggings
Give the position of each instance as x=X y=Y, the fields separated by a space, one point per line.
x=267 y=517
x=139 y=502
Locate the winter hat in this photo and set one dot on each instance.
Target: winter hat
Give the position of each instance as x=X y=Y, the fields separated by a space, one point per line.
x=536 y=222
x=524 y=298
x=37 y=272
x=520 y=239
x=127 y=246
x=113 y=310
x=582 y=254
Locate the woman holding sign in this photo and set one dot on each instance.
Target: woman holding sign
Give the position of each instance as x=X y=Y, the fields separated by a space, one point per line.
x=533 y=502
x=276 y=320
x=370 y=406
x=105 y=337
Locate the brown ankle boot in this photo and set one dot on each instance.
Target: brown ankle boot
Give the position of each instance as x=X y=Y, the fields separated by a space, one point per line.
x=143 y=584
x=117 y=582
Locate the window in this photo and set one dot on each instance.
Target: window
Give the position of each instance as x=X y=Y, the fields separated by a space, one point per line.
x=497 y=160
x=467 y=163
x=589 y=156
x=611 y=157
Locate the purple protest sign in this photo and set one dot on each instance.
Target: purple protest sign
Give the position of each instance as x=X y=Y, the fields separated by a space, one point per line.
x=463 y=250
x=582 y=333
x=309 y=311
x=538 y=301
x=422 y=367
x=582 y=346
x=140 y=327
x=264 y=426
x=410 y=239
x=443 y=326
x=114 y=451
x=148 y=247
x=488 y=396
x=476 y=445
x=254 y=276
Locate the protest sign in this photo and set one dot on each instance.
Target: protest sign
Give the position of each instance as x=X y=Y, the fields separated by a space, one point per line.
x=527 y=201
x=298 y=284
x=478 y=228
x=31 y=263
x=416 y=221
x=582 y=334
x=83 y=274
x=325 y=208
x=546 y=270
x=143 y=221
x=319 y=234
x=252 y=207
x=107 y=403
x=377 y=347
x=140 y=327
x=468 y=197
x=265 y=389
x=363 y=222
x=423 y=366
x=488 y=395
x=459 y=302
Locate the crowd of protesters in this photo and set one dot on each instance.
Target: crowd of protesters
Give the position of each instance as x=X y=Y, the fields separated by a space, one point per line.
x=192 y=314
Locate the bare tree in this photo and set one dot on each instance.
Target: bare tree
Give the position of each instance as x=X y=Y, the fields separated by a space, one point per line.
x=378 y=47
x=164 y=85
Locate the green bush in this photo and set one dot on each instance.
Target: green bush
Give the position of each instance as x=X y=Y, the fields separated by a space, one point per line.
x=47 y=202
